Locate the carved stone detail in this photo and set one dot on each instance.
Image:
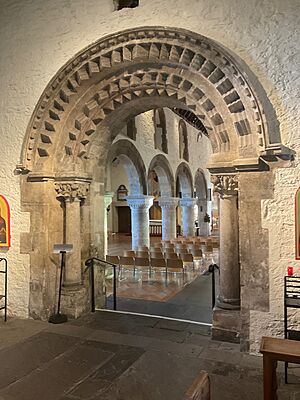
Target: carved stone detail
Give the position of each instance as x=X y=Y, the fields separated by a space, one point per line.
x=225 y=185
x=177 y=50
x=140 y=202
x=71 y=191
x=187 y=202
x=168 y=202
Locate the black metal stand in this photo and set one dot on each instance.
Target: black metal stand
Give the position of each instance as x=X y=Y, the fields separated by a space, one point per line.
x=4 y=296
x=211 y=269
x=59 y=318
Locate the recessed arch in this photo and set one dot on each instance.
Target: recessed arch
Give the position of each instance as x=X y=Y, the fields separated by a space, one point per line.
x=144 y=63
x=163 y=170
x=184 y=180
x=160 y=130
x=128 y=155
x=183 y=141
x=200 y=185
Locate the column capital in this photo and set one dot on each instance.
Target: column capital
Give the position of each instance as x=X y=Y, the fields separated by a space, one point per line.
x=140 y=202
x=168 y=202
x=71 y=190
x=108 y=197
x=225 y=185
x=187 y=202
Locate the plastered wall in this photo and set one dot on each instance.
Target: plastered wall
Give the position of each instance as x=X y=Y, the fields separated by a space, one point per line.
x=39 y=36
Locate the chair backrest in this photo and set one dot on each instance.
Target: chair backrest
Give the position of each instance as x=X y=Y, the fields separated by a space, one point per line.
x=128 y=253
x=169 y=245
x=186 y=257
x=197 y=253
x=172 y=263
x=113 y=259
x=156 y=254
x=142 y=262
x=143 y=248
x=200 y=388
x=158 y=262
x=181 y=246
x=143 y=254
x=171 y=255
x=157 y=244
x=126 y=260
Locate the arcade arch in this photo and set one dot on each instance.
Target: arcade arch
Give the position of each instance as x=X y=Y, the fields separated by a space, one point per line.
x=99 y=91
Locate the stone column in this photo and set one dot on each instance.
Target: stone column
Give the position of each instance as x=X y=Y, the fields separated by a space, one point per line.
x=204 y=227
x=188 y=221
x=72 y=192
x=168 y=208
x=140 y=206
x=227 y=187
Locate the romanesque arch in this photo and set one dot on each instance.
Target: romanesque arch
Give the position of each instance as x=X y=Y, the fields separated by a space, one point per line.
x=200 y=185
x=133 y=164
x=84 y=107
x=127 y=73
x=184 y=180
x=162 y=168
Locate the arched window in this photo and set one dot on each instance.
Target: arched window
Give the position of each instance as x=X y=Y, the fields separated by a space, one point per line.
x=160 y=131
x=183 y=141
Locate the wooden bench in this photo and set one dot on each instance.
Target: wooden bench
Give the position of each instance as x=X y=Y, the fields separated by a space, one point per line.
x=273 y=350
x=200 y=389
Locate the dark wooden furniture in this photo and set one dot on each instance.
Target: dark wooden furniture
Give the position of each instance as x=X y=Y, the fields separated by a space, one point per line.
x=200 y=389
x=273 y=350
x=291 y=300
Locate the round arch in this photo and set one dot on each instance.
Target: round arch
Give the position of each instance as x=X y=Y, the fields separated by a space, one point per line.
x=133 y=164
x=200 y=185
x=184 y=180
x=75 y=114
x=163 y=170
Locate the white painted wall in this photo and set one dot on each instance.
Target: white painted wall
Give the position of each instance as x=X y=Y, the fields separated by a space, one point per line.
x=39 y=36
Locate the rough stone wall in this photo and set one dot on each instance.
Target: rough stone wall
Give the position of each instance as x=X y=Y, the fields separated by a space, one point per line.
x=38 y=37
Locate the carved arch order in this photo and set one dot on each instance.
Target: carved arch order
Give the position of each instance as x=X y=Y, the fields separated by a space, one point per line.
x=174 y=65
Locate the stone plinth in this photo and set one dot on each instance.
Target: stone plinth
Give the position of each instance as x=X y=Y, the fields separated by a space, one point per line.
x=140 y=206
x=168 y=208
x=226 y=325
x=75 y=300
x=188 y=221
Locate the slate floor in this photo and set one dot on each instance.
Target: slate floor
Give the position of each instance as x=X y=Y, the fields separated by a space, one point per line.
x=111 y=356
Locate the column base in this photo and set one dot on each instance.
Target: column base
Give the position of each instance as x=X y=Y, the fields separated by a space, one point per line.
x=226 y=325
x=75 y=301
x=232 y=304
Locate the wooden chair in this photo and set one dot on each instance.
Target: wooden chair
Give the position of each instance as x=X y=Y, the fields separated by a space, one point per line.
x=175 y=266
x=126 y=262
x=197 y=253
x=158 y=263
x=143 y=248
x=157 y=244
x=141 y=262
x=169 y=246
x=170 y=255
x=113 y=259
x=200 y=388
x=128 y=253
x=187 y=258
x=143 y=254
x=156 y=254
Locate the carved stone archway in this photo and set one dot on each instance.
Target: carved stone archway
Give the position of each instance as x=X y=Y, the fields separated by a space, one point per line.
x=96 y=93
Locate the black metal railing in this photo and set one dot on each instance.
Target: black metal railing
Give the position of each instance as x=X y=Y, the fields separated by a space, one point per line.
x=90 y=264
x=211 y=270
x=4 y=296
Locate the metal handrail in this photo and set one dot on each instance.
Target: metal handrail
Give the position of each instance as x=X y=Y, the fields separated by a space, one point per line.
x=90 y=265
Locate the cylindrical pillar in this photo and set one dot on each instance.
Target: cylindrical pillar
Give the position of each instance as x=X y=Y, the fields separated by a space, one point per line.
x=188 y=220
x=168 y=208
x=229 y=295
x=72 y=192
x=140 y=206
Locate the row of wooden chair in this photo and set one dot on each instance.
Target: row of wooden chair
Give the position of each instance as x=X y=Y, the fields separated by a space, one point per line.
x=165 y=253
x=151 y=264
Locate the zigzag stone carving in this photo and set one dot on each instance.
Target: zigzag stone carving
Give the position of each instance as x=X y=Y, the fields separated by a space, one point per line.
x=178 y=64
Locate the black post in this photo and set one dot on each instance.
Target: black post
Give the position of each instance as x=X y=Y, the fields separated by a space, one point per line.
x=93 y=286
x=285 y=331
x=5 y=293
x=59 y=318
x=213 y=291
x=115 y=288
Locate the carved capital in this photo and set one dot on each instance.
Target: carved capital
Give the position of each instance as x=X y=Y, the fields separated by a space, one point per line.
x=225 y=185
x=187 y=202
x=70 y=191
x=140 y=202
x=168 y=202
